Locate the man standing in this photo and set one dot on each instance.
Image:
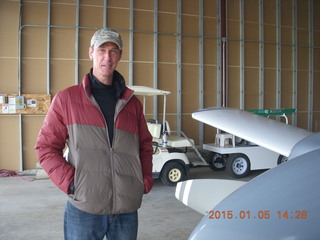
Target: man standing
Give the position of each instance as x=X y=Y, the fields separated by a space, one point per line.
x=109 y=163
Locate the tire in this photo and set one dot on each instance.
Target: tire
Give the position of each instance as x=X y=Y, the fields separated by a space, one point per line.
x=216 y=161
x=172 y=173
x=282 y=159
x=238 y=165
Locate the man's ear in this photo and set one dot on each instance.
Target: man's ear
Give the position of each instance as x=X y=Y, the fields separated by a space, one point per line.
x=90 y=52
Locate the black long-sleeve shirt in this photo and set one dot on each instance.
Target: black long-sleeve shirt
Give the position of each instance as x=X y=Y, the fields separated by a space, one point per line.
x=106 y=97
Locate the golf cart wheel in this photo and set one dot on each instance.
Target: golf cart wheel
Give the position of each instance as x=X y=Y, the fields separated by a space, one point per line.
x=172 y=173
x=216 y=161
x=238 y=165
x=282 y=159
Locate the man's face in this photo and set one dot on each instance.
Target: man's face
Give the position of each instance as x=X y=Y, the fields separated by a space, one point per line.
x=105 y=60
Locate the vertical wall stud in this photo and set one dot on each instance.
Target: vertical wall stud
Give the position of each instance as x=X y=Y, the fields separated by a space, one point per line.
x=20 y=143
x=76 y=44
x=19 y=48
x=105 y=13
x=294 y=60
x=179 y=67
x=155 y=57
x=131 y=44
x=311 y=63
x=219 y=57
x=48 y=47
x=242 y=79
x=279 y=55
x=261 y=55
x=19 y=88
x=201 y=95
x=223 y=50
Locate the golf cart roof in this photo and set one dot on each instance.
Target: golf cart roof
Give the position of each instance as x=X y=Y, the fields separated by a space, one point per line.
x=147 y=91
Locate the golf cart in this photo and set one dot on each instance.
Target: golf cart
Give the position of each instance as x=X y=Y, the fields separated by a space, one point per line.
x=170 y=160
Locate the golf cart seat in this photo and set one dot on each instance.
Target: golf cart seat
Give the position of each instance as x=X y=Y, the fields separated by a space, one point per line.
x=156 y=127
x=177 y=141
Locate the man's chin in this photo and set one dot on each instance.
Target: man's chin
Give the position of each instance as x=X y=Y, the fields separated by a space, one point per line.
x=106 y=73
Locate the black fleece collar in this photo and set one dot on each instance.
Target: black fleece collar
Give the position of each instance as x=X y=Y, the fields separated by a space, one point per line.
x=118 y=83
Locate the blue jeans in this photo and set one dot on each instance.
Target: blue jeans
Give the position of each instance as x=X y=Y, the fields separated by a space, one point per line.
x=79 y=225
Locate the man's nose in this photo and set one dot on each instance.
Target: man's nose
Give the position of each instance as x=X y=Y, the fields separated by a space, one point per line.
x=107 y=55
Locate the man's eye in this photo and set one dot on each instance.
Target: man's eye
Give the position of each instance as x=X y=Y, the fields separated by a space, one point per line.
x=114 y=51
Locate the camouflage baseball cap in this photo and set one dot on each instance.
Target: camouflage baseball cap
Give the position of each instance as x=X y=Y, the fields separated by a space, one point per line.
x=106 y=35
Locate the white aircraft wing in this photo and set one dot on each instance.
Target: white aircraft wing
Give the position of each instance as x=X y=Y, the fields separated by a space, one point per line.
x=204 y=194
x=147 y=91
x=268 y=133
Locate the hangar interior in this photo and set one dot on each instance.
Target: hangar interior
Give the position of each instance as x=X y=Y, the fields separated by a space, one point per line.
x=247 y=54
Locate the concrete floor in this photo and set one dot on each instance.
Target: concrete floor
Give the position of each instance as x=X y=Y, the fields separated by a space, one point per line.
x=34 y=209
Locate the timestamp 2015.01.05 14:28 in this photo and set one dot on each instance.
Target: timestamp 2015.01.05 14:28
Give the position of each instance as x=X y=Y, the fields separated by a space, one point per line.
x=263 y=214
